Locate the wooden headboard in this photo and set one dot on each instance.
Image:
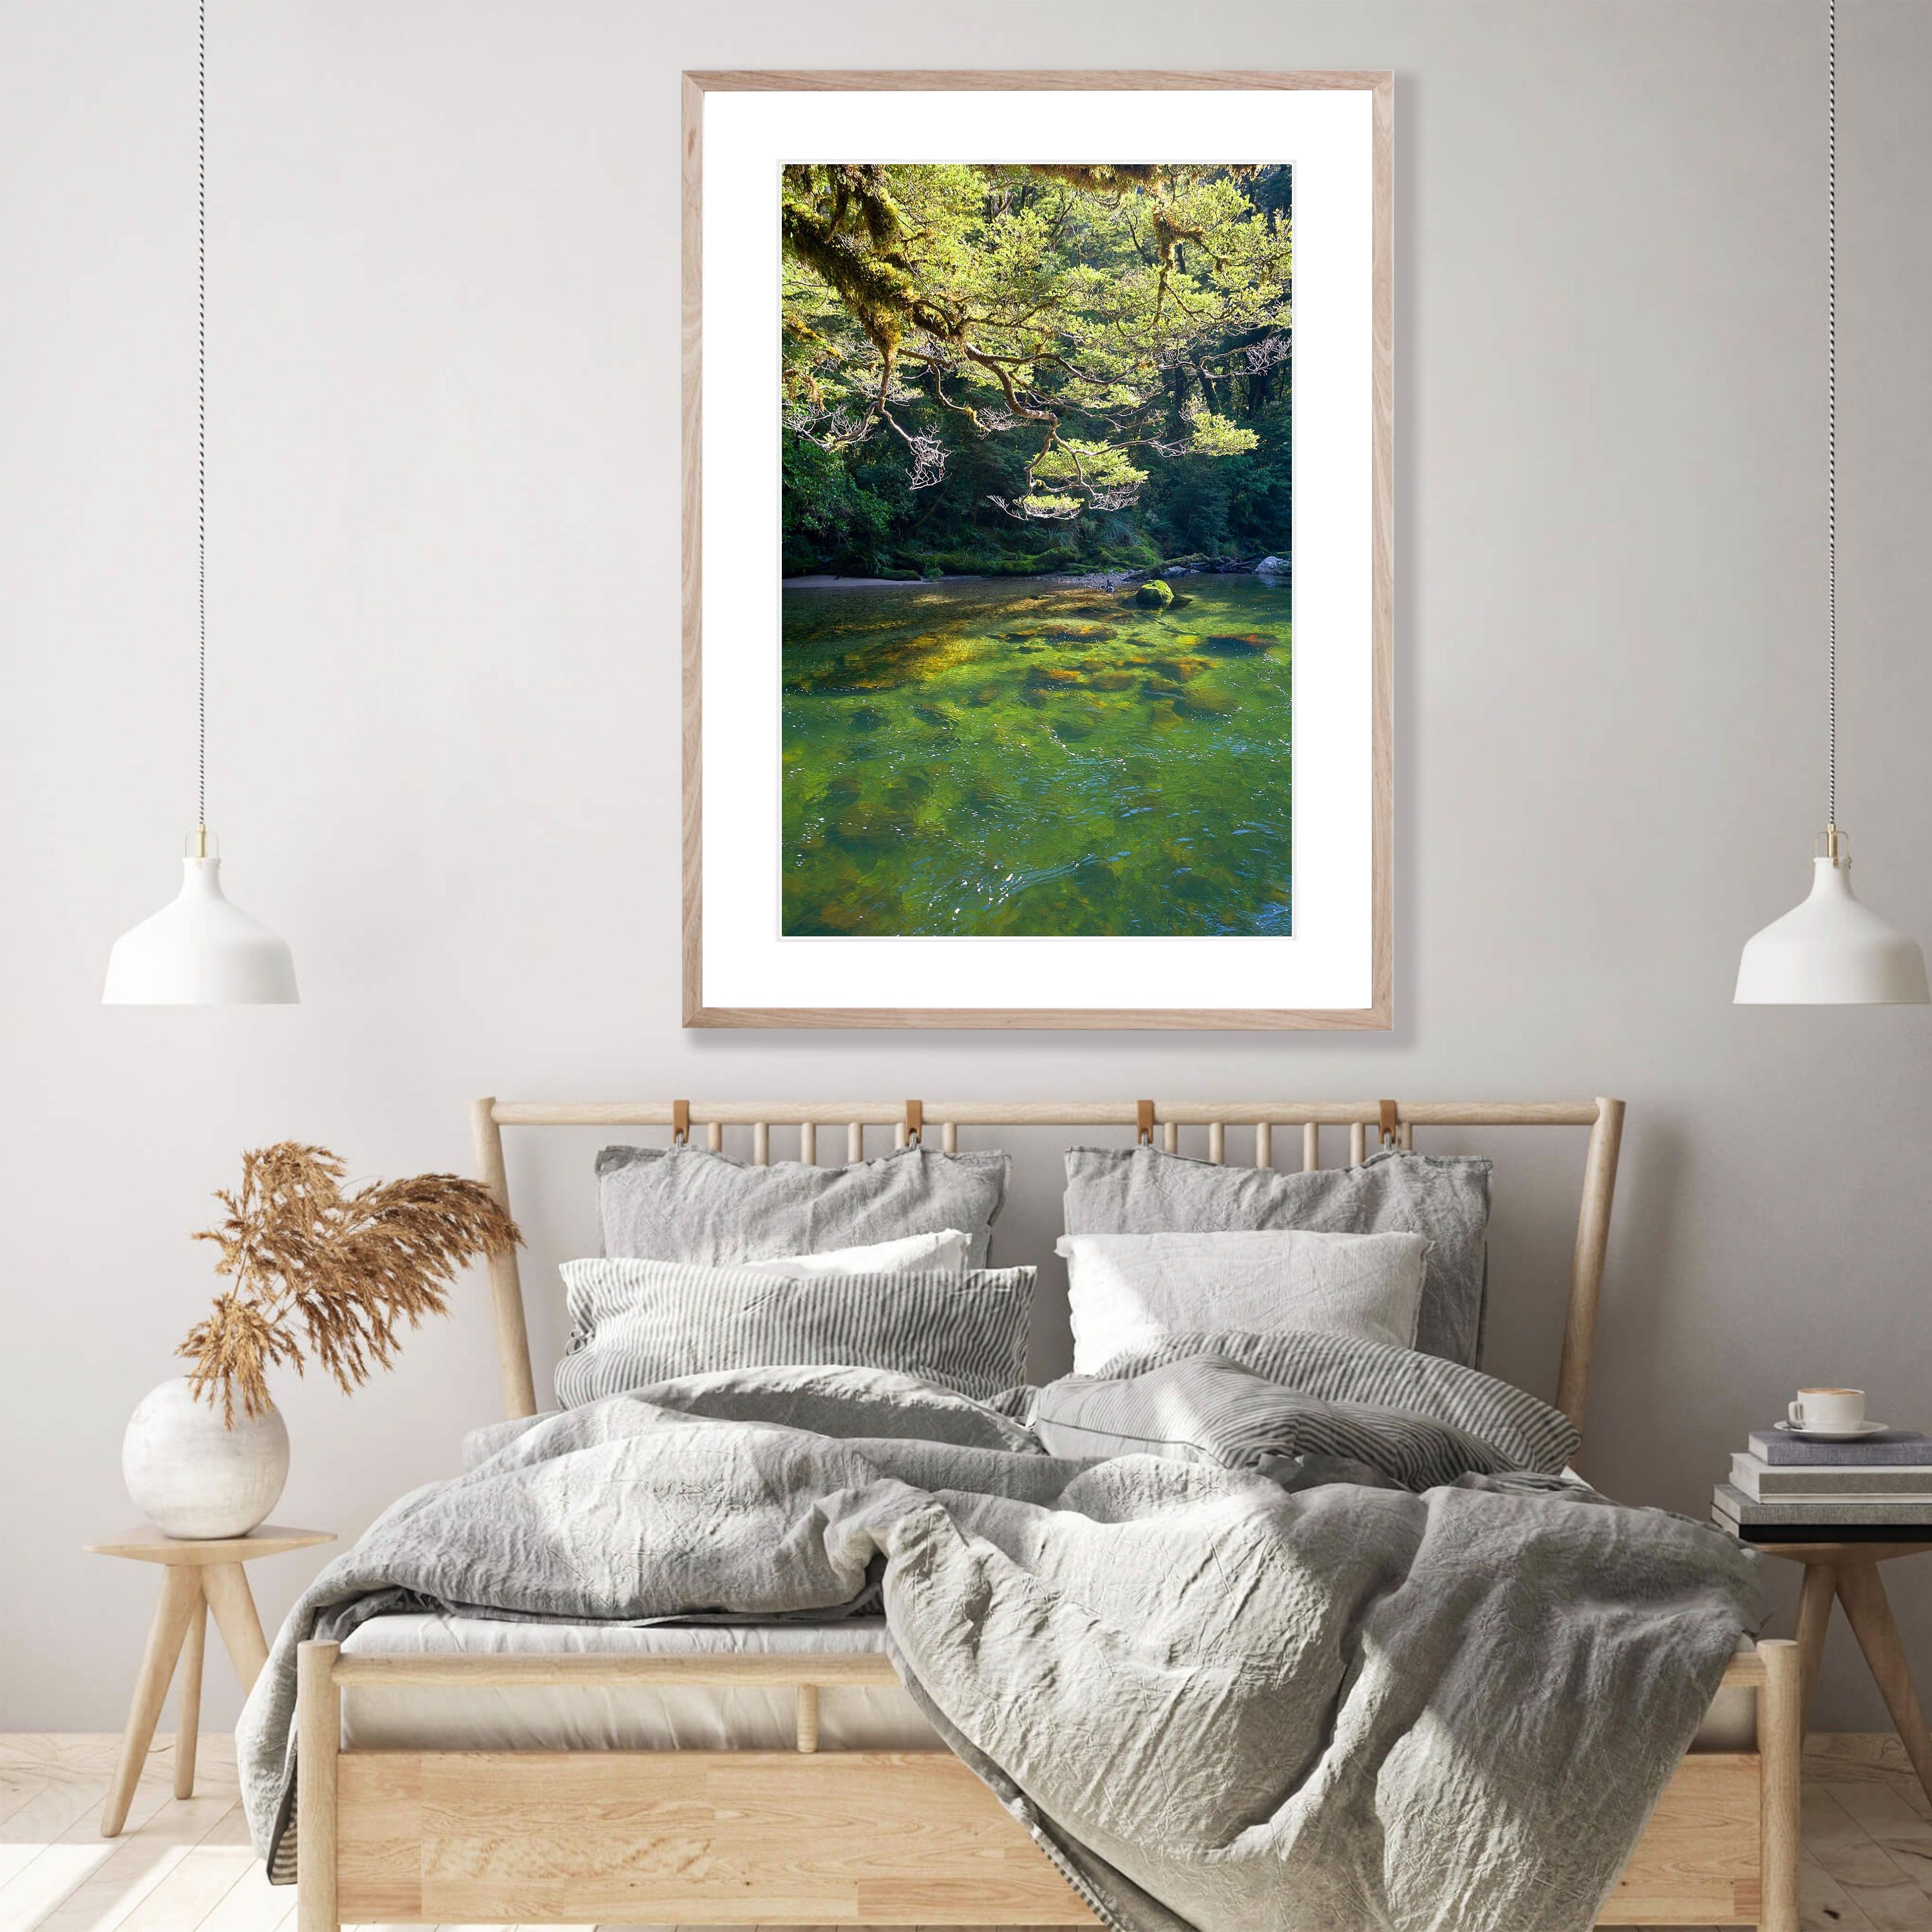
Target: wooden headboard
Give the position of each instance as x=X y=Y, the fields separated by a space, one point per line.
x=1394 y=1122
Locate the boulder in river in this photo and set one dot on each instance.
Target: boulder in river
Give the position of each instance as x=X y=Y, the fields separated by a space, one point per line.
x=1181 y=669
x=1154 y=595
x=886 y=663
x=1053 y=677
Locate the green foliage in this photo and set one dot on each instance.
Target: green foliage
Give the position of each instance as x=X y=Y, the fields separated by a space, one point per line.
x=832 y=519
x=1051 y=367
x=1088 y=466
x=1211 y=435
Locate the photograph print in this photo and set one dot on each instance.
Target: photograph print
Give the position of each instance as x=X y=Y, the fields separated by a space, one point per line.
x=1037 y=549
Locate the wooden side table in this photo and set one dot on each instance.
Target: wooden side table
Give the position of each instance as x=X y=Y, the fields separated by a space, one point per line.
x=1846 y=1572
x=198 y=1577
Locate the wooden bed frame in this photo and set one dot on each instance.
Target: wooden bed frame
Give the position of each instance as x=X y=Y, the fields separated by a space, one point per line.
x=750 y=1838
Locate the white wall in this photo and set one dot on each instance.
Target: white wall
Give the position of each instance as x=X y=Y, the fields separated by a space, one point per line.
x=443 y=503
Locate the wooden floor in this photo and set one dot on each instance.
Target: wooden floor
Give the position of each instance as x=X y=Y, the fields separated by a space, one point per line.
x=185 y=1865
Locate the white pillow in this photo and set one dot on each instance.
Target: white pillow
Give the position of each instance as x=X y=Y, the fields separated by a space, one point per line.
x=1128 y=1290
x=943 y=1252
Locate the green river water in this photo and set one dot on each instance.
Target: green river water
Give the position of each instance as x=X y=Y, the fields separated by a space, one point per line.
x=1017 y=756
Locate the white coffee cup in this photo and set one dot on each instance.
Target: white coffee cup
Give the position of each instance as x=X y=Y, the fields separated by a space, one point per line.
x=1830 y=1410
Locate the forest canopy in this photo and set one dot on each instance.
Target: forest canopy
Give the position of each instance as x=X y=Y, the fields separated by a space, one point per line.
x=1040 y=367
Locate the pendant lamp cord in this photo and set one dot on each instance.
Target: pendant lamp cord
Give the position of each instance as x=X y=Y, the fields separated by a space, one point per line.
x=202 y=414
x=1832 y=408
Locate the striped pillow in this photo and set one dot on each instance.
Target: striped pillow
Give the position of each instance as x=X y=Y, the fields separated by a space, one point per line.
x=1206 y=1409
x=636 y=1322
x=1525 y=1432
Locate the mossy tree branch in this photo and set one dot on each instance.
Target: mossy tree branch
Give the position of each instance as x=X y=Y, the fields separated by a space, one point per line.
x=1035 y=282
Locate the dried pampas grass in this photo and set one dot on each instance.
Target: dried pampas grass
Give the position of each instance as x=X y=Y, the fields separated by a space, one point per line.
x=338 y=1272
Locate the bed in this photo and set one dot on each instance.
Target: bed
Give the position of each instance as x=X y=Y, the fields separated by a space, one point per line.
x=454 y=1770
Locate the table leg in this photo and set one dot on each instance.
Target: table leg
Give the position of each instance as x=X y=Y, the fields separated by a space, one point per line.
x=1862 y=1593
x=227 y=1588
x=1814 y=1617
x=180 y=1596
x=187 y=1699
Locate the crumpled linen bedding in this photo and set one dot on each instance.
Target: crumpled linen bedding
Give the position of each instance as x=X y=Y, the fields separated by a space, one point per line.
x=1217 y=1698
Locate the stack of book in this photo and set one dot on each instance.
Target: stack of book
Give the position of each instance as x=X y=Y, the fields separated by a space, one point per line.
x=1785 y=1489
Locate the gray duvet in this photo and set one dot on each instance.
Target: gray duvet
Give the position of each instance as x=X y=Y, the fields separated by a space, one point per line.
x=1217 y=1698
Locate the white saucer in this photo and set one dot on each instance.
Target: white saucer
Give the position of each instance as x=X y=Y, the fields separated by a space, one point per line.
x=1854 y=1435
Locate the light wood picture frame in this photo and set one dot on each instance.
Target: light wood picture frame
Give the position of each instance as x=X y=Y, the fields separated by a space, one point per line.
x=740 y=966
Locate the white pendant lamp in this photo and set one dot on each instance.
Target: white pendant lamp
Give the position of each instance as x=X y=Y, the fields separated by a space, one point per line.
x=1832 y=951
x=200 y=950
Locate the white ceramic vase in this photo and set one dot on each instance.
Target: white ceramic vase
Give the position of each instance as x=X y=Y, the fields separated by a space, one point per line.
x=192 y=1476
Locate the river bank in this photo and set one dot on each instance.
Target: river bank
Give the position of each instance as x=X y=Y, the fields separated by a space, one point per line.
x=871 y=582
x=1092 y=580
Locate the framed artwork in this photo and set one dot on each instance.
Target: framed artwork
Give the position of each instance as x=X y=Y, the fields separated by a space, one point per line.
x=1037 y=566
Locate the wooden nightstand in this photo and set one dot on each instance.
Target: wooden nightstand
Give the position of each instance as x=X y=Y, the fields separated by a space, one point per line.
x=199 y=1577
x=1846 y=1570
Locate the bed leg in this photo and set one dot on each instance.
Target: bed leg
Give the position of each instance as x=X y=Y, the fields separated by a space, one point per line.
x=318 y=1739
x=1780 y=1747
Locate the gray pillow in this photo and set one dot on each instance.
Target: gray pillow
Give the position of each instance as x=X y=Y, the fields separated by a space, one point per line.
x=686 y=1204
x=1382 y=1389
x=833 y=1400
x=1209 y=1409
x=634 y=1323
x=1143 y=1191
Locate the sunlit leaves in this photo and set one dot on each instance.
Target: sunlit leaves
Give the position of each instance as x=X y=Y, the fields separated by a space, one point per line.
x=1210 y=435
x=1042 y=508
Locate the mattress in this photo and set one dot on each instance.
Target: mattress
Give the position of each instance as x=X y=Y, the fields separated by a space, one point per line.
x=632 y=1717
